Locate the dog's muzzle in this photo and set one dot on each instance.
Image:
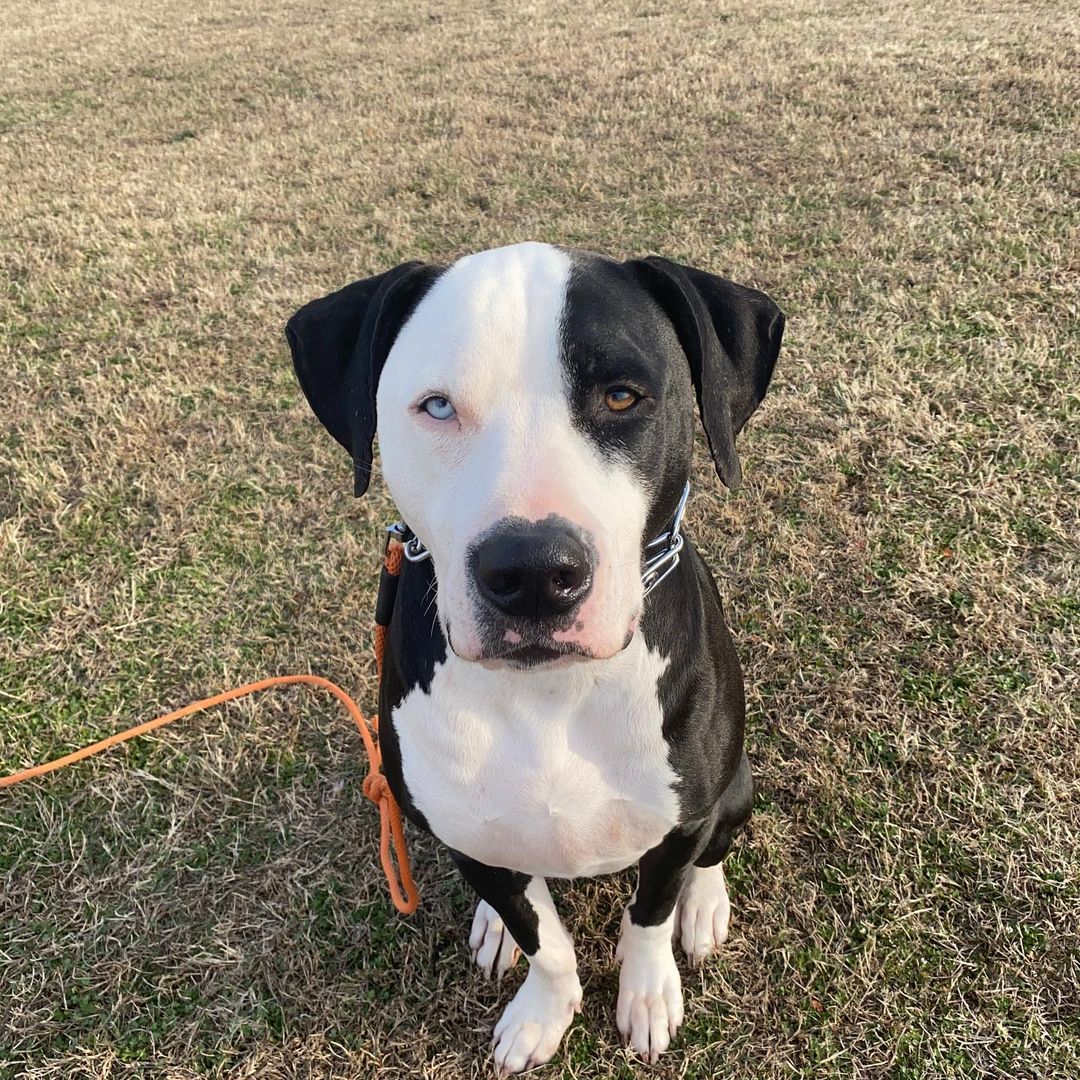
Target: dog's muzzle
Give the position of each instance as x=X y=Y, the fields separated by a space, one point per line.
x=531 y=579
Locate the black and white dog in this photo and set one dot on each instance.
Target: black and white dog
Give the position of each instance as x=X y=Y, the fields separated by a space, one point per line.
x=540 y=716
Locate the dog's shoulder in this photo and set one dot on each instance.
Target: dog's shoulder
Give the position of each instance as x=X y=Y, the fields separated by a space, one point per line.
x=415 y=648
x=701 y=688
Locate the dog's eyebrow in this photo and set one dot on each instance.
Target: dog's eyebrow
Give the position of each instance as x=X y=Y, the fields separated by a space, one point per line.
x=602 y=367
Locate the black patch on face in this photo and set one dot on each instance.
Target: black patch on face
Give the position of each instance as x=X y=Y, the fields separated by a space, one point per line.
x=614 y=334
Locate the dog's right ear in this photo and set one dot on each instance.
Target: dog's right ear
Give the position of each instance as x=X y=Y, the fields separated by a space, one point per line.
x=339 y=345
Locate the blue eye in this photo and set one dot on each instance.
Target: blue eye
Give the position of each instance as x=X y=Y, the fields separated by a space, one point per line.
x=438 y=408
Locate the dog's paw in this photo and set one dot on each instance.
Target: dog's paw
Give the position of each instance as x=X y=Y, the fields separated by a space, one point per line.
x=650 y=1005
x=494 y=950
x=532 y=1025
x=704 y=912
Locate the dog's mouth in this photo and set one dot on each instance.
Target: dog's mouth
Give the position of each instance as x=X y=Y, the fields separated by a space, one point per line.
x=536 y=655
x=532 y=647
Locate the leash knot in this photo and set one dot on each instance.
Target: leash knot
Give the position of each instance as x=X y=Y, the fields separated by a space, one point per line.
x=376 y=786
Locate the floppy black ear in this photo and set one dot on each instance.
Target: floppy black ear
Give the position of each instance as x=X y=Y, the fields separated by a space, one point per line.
x=339 y=345
x=731 y=336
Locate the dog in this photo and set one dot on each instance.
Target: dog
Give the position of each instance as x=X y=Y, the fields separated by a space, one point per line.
x=541 y=715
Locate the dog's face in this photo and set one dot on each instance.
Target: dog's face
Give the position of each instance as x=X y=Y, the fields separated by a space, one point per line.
x=529 y=421
x=534 y=408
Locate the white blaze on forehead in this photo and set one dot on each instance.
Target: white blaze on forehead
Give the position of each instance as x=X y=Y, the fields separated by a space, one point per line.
x=491 y=326
x=487 y=336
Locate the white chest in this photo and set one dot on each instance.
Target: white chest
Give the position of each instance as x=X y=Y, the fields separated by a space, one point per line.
x=558 y=773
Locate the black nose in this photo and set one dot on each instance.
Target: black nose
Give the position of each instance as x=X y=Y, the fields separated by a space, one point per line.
x=533 y=571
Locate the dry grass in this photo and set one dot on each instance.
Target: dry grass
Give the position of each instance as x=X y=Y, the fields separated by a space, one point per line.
x=901 y=566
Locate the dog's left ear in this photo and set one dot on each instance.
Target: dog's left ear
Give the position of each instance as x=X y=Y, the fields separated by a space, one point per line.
x=731 y=336
x=339 y=345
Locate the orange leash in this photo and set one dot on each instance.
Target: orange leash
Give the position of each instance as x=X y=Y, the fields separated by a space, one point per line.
x=376 y=788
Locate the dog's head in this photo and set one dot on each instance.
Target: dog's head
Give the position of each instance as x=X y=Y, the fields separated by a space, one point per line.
x=534 y=408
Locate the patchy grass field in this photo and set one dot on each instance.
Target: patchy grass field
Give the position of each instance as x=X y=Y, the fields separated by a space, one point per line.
x=900 y=567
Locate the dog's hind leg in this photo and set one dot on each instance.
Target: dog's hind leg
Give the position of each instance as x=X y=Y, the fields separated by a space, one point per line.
x=532 y=1025
x=494 y=949
x=704 y=912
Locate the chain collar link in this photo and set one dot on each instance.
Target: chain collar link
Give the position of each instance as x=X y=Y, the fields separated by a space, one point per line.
x=658 y=566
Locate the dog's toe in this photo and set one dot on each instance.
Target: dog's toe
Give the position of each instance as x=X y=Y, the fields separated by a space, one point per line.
x=704 y=913
x=492 y=945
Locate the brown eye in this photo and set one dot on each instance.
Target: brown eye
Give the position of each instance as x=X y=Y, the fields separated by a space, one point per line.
x=620 y=398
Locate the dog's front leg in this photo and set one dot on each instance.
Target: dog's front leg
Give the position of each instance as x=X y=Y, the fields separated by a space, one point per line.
x=650 y=1006
x=532 y=1025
